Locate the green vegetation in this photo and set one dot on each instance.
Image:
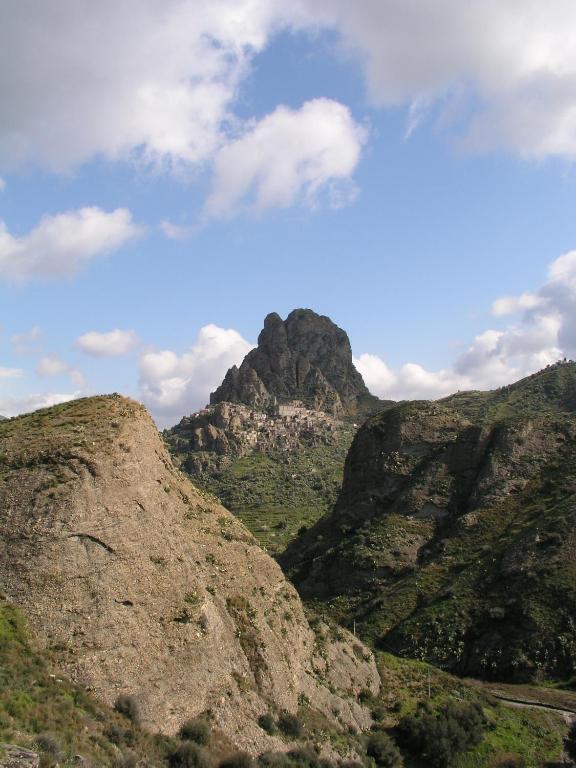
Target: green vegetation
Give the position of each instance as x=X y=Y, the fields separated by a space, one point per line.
x=487 y=586
x=44 y=712
x=196 y=730
x=384 y=751
x=438 y=737
x=49 y=714
x=278 y=493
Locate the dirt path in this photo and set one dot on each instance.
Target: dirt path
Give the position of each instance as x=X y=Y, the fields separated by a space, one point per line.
x=569 y=715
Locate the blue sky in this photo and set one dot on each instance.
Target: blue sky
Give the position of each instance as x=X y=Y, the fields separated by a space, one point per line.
x=405 y=168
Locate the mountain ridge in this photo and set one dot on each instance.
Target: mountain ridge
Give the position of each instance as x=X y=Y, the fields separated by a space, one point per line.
x=451 y=537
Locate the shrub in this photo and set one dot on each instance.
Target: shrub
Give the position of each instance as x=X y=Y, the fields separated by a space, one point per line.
x=188 y=755
x=114 y=734
x=306 y=757
x=126 y=760
x=384 y=751
x=266 y=722
x=128 y=707
x=274 y=760
x=439 y=738
x=290 y=725
x=48 y=743
x=238 y=760
x=196 y=730
x=570 y=743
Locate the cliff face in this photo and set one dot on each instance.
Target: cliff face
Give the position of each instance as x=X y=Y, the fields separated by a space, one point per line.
x=453 y=536
x=141 y=584
x=306 y=357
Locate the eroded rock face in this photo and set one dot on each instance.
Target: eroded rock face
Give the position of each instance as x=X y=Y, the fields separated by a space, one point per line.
x=306 y=357
x=142 y=585
x=12 y=756
x=452 y=537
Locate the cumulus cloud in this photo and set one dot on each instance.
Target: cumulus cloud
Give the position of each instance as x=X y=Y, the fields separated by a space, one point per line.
x=112 y=344
x=287 y=157
x=509 y=305
x=501 y=72
x=161 y=86
x=14 y=406
x=165 y=85
x=544 y=333
x=2 y=184
x=172 y=385
x=61 y=244
x=10 y=373
x=52 y=365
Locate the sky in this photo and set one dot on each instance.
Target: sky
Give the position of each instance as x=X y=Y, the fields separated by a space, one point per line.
x=171 y=171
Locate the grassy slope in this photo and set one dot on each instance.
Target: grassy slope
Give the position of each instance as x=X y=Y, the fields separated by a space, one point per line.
x=528 y=737
x=276 y=494
x=495 y=597
x=34 y=700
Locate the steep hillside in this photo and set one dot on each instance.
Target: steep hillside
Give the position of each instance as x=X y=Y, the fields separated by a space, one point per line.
x=138 y=584
x=453 y=536
x=277 y=473
x=273 y=443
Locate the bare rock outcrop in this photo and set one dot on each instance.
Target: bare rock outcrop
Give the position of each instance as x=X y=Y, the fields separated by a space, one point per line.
x=141 y=585
x=305 y=357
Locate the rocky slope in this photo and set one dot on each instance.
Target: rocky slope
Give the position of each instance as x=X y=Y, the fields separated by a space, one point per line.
x=305 y=357
x=276 y=472
x=141 y=585
x=453 y=536
x=273 y=443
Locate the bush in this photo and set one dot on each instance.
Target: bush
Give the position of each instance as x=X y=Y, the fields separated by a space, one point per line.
x=384 y=751
x=307 y=757
x=570 y=743
x=196 y=730
x=128 y=707
x=126 y=760
x=439 y=738
x=266 y=722
x=274 y=760
x=290 y=725
x=238 y=760
x=49 y=744
x=188 y=755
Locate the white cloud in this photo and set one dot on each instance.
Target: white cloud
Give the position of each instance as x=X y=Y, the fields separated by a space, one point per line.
x=112 y=344
x=14 y=406
x=287 y=157
x=2 y=184
x=161 y=86
x=164 y=87
x=52 y=365
x=175 y=231
x=61 y=244
x=544 y=333
x=509 y=305
x=501 y=72
x=10 y=373
x=173 y=385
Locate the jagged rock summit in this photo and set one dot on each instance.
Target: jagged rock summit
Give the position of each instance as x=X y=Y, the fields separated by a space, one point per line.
x=140 y=584
x=306 y=358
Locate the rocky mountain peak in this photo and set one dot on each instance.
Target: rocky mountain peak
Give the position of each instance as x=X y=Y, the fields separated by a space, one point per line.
x=305 y=357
